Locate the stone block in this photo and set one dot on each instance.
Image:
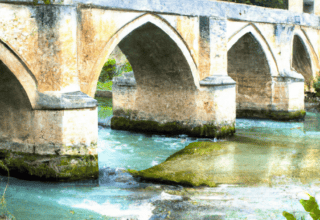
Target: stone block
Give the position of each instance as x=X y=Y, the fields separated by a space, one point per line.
x=295 y=6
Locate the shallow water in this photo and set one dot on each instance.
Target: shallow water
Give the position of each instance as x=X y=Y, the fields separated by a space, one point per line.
x=265 y=167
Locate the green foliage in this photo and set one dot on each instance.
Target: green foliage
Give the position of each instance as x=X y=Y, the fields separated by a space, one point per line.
x=105 y=107
x=110 y=69
x=104 y=112
x=106 y=86
x=47 y=2
x=316 y=86
x=127 y=68
x=283 y=4
x=288 y=216
x=311 y=206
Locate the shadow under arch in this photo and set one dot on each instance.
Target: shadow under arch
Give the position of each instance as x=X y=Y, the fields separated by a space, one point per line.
x=252 y=69
x=22 y=73
x=147 y=21
x=304 y=58
x=254 y=31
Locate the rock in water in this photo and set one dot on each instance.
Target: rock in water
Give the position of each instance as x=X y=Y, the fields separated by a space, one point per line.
x=189 y=166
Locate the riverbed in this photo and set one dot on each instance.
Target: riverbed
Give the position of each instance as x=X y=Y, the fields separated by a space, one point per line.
x=261 y=177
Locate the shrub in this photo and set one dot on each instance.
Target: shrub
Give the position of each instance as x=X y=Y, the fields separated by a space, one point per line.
x=310 y=205
x=110 y=69
x=106 y=86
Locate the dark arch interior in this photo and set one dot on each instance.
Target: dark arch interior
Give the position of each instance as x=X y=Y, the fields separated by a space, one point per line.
x=14 y=104
x=11 y=91
x=155 y=58
x=248 y=66
x=301 y=61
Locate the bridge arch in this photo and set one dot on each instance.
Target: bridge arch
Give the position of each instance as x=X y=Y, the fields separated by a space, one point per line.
x=254 y=31
x=22 y=73
x=151 y=20
x=303 y=56
x=252 y=65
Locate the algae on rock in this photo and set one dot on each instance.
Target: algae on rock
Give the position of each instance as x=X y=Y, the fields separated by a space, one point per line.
x=50 y=167
x=184 y=167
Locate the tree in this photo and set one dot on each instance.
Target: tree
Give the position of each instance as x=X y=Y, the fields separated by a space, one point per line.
x=47 y=2
x=283 y=4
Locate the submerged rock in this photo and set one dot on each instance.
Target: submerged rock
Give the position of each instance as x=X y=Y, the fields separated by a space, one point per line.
x=189 y=166
x=241 y=160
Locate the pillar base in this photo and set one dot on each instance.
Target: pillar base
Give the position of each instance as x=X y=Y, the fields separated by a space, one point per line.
x=57 y=141
x=172 y=128
x=274 y=115
x=50 y=167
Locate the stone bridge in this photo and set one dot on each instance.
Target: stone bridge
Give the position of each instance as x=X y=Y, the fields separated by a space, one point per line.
x=197 y=65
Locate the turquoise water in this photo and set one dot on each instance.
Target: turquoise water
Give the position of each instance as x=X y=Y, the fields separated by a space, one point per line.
x=292 y=146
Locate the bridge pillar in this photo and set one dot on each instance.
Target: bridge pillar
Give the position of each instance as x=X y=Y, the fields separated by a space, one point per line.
x=220 y=87
x=56 y=141
x=288 y=97
x=149 y=102
x=295 y=6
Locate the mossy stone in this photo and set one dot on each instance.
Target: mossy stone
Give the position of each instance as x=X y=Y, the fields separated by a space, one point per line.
x=50 y=167
x=172 y=128
x=274 y=115
x=186 y=167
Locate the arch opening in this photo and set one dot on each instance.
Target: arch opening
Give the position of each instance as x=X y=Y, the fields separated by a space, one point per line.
x=161 y=83
x=248 y=66
x=301 y=61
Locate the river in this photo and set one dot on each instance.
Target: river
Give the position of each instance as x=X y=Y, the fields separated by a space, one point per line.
x=279 y=160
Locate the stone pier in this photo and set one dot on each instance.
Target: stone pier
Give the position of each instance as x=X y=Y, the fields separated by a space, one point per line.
x=46 y=136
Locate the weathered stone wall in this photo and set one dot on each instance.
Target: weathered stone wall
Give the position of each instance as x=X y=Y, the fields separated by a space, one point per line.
x=44 y=37
x=287 y=93
x=205 y=112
